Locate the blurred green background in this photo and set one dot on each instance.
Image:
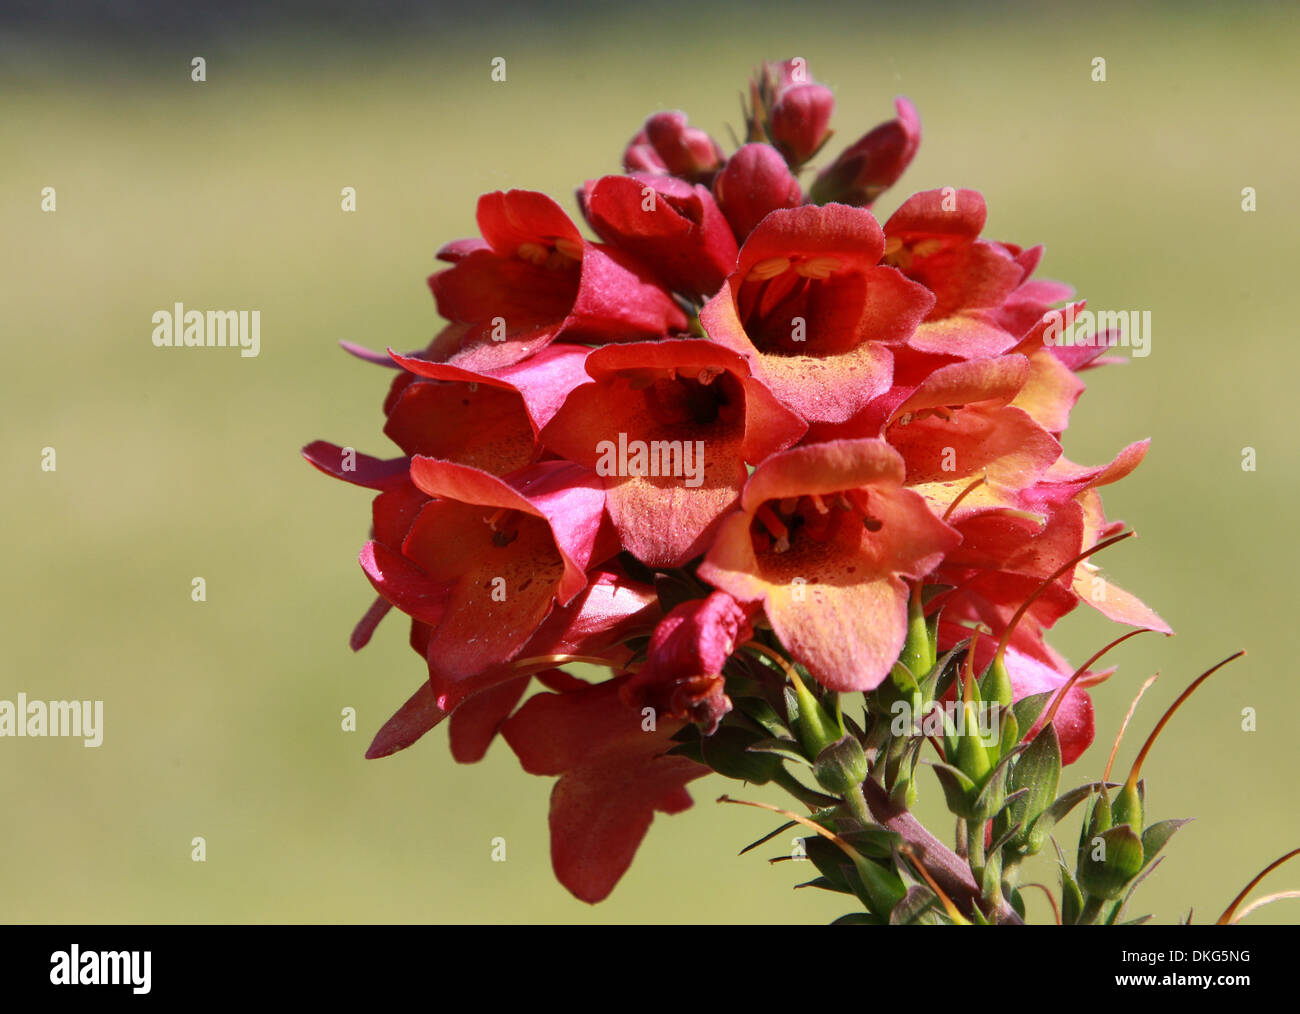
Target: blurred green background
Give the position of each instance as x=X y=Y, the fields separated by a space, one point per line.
x=223 y=717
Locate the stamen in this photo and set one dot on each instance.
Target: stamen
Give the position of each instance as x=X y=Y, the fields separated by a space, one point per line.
x=769 y=268
x=534 y=253
x=768 y=519
x=962 y=496
x=569 y=248
x=817 y=267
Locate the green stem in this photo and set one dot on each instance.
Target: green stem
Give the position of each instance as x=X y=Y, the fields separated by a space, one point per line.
x=975 y=845
x=1093 y=909
x=810 y=798
x=857 y=804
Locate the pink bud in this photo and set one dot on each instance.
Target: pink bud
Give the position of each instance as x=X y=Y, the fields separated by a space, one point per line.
x=873 y=164
x=799 y=121
x=754 y=183
x=640 y=157
x=685 y=151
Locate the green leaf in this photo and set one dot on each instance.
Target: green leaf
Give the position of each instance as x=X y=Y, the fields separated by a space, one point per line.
x=916 y=903
x=1038 y=772
x=998 y=845
x=958 y=790
x=763 y=713
x=786 y=748
x=1058 y=811
x=873 y=842
x=727 y=752
x=1071 y=899
x=1017 y=902
x=1157 y=836
x=823 y=884
x=944 y=673
x=691 y=750
x=859 y=919
x=993 y=792
x=1027 y=709
x=1121 y=862
x=767 y=837
x=831 y=863
x=881 y=888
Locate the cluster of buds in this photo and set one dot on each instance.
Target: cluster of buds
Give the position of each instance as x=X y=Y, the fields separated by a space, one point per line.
x=749 y=450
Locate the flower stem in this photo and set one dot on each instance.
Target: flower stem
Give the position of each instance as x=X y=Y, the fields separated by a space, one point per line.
x=949 y=871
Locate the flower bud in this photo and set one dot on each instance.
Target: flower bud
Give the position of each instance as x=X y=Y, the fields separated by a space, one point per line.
x=817 y=728
x=798 y=122
x=996 y=685
x=919 y=650
x=754 y=183
x=842 y=766
x=1127 y=808
x=640 y=157
x=685 y=151
x=869 y=167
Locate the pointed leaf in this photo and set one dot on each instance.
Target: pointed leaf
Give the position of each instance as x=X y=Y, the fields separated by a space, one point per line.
x=1155 y=837
x=1038 y=772
x=916 y=903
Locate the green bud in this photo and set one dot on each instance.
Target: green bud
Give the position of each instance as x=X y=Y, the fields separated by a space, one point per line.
x=973 y=757
x=817 y=728
x=919 y=650
x=1110 y=862
x=841 y=767
x=1128 y=807
x=996 y=685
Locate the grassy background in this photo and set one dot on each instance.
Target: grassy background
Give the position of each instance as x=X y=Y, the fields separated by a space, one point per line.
x=222 y=718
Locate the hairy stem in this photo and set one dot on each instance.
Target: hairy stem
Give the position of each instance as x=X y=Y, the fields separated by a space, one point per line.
x=949 y=872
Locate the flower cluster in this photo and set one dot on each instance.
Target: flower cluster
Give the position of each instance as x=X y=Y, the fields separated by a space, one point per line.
x=747 y=448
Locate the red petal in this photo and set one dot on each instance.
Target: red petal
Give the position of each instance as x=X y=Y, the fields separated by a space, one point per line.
x=412 y=720
x=613 y=779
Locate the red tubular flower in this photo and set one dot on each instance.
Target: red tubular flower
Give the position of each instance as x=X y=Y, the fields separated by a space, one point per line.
x=1080 y=485
x=824 y=536
x=682 y=675
x=610 y=609
x=533 y=279
x=861 y=420
x=671 y=226
x=614 y=776
x=959 y=424
x=873 y=164
x=812 y=311
x=754 y=183
x=934 y=239
x=487 y=420
x=484 y=562
x=393 y=509
x=669 y=426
